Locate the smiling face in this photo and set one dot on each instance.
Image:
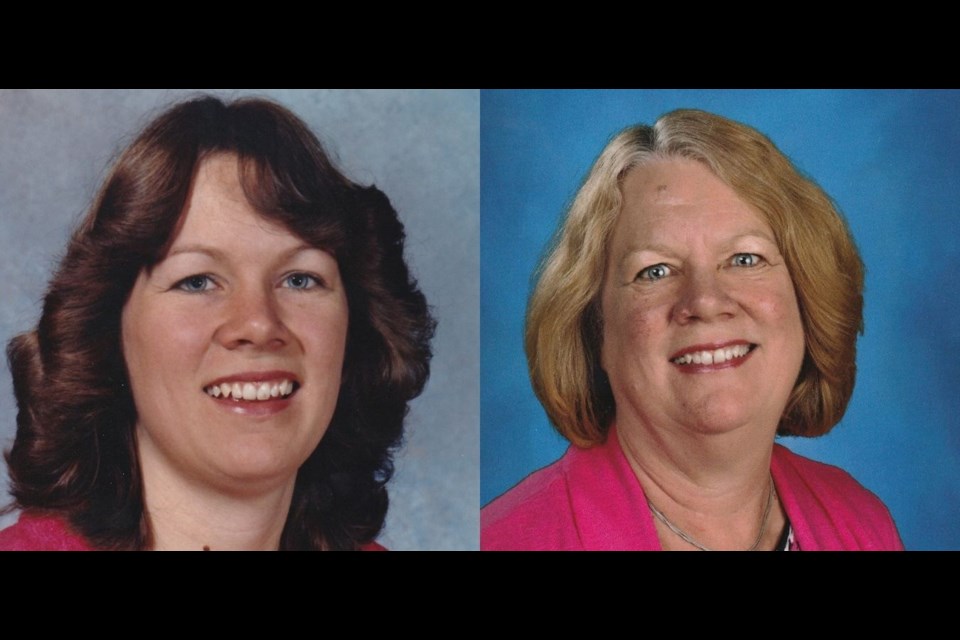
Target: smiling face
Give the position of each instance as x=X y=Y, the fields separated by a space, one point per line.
x=234 y=344
x=701 y=328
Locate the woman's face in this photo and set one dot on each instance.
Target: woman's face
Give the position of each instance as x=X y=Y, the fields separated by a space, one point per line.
x=234 y=344
x=701 y=326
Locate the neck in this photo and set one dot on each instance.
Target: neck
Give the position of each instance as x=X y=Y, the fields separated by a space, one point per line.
x=185 y=516
x=714 y=487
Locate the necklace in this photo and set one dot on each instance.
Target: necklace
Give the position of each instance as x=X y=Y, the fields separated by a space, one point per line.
x=686 y=537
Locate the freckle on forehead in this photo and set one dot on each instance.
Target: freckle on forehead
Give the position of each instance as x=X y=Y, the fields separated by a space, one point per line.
x=661 y=187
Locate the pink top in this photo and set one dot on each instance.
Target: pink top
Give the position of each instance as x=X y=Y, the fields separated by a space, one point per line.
x=590 y=499
x=34 y=532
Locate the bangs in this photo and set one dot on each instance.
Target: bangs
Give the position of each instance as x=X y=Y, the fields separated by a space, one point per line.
x=302 y=202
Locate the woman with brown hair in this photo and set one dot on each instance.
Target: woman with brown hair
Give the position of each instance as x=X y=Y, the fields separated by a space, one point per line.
x=700 y=298
x=226 y=353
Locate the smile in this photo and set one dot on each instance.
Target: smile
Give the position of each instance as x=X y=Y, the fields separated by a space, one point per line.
x=702 y=357
x=716 y=356
x=252 y=391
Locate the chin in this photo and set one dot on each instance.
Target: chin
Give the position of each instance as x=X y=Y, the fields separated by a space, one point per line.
x=260 y=465
x=717 y=417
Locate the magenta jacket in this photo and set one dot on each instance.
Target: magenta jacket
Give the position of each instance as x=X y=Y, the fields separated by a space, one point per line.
x=590 y=499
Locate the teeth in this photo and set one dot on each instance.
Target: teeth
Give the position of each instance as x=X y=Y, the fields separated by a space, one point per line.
x=718 y=356
x=251 y=391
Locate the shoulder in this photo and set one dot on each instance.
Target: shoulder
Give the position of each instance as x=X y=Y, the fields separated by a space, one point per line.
x=534 y=514
x=828 y=482
x=372 y=546
x=588 y=499
x=837 y=511
x=35 y=532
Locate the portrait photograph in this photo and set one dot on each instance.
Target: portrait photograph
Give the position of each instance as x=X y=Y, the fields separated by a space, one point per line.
x=255 y=312
x=639 y=249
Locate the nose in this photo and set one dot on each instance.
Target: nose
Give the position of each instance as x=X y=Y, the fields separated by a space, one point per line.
x=703 y=297
x=252 y=319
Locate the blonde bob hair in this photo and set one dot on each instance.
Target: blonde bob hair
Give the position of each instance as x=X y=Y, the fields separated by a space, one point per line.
x=564 y=329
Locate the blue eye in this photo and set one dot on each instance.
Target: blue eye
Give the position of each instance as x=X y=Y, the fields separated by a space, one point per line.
x=300 y=281
x=745 y=260
x=195 y=284
x=654 y=272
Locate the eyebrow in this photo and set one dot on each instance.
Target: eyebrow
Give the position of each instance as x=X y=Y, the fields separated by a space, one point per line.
x=217 y=254
x=211 y=252
x=754 y=234
x=664 y=250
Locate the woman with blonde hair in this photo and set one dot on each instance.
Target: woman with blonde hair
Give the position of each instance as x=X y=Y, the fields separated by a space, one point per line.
x=700 y=298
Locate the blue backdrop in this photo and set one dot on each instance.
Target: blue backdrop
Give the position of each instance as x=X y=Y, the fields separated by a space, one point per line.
x=890 y=159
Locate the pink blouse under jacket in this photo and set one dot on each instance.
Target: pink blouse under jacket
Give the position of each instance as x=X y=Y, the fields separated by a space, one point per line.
x=590 y=499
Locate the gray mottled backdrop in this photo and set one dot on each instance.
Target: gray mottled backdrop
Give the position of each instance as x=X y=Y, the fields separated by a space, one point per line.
x=420 y=147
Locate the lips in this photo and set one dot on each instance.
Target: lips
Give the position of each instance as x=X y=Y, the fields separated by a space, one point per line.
x=253 y=386
x=709 y=357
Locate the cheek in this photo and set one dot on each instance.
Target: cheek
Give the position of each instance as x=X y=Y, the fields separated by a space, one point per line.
x=325 y=352
x=629 y=327
x=784 y=307
x=135 y=342
x=781 y=313
x=161 y=342
x=323 y=334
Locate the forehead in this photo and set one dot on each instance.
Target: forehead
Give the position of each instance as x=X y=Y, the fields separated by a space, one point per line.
x=681 y=197
x=217 y=210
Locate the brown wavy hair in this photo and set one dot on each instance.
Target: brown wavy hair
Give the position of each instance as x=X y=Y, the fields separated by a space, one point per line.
x=75 y=452
x=564 y=328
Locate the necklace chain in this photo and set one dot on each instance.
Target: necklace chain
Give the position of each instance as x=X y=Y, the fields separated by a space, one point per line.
x=686 y=537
